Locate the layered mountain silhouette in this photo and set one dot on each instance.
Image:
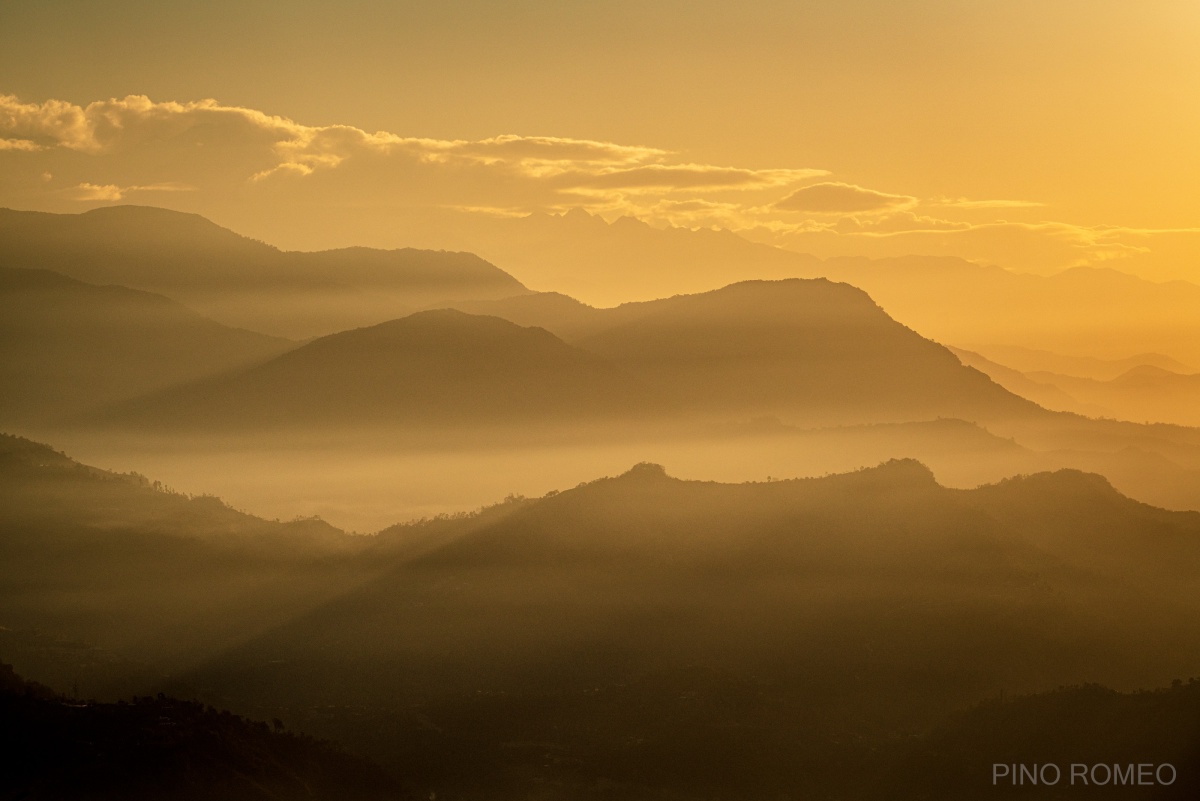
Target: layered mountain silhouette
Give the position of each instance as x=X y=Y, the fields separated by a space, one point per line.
x=1043 y=393
x=636 y=629
x=810 y=351
x=116 y=559
x=1141 y=392
x=1033 y=360
x=819 y=347
x=814 y=348
x=610 y=263
x=1085 y=310
x=441 y=368
x=67 y=346
x=1100 y=312
x=635 y=635
x=241 y=281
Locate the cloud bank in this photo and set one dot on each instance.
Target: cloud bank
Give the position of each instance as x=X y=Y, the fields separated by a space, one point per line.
x=839 y=198
x=285 y=181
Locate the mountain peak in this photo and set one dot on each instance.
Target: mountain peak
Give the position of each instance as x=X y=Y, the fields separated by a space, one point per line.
x=908 y=473
x=646 y=471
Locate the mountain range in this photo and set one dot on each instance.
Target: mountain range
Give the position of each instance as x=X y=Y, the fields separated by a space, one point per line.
x=810 y=351
x=1084 y=311
x=241 y=281
x=66 y=345
x=802 y=352
x=436 y=368
x=626 y=632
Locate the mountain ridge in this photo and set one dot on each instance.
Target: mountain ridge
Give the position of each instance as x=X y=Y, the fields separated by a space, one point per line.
x=241 y=281
x=67 y=345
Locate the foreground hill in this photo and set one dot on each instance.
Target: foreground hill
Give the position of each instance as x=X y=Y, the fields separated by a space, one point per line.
x=634 y=637
x=67 y=346
x=241 y=281
x=661 y=636
x=156 y=748
x=1091 y=726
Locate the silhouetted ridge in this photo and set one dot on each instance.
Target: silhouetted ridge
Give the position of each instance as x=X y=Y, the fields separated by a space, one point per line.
x=1086 y=725
x=902 y=473
x=41 y=488
x=558 y=313
x=1063 y=484
x=67 y=346
x=18 y=450
x=807 y=349
x=242 y=281
x=646 y=471
x=13 y=685
x=158 y=748
x=435 y=367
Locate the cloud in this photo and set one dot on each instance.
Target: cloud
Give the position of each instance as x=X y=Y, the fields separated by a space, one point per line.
x=672 y=177
x=535 y=150
x=19 y=144
x=86 y=191
x=112 y=192
x=276 y=147
x=839 y=198
x=965 y=203
x=52 y=123
x=284 y=181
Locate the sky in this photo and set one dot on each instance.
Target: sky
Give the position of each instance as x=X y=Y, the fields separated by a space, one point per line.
x=1036 y=135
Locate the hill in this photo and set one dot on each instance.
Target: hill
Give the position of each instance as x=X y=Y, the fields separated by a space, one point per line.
x=1088 y=725
x=809 y=351
x=1029 y=360
x=1086 y=311
x=154 y=748
x=67 y=346
x=1144 y=392
x=634 y=636
x=116 y=559
x=240 y=281
x=658 y=635
x=437 y=368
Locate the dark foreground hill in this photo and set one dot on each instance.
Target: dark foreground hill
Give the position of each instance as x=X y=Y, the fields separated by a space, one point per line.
x=241 y=281
x=634 y=637
x=67 y=346
x=1078 y=741
x=164 y=748
x=650 y=635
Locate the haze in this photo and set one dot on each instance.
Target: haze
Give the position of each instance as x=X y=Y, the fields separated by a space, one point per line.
x=597 y=402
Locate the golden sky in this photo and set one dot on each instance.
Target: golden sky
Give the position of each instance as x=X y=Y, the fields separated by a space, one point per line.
x=1037 y=135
